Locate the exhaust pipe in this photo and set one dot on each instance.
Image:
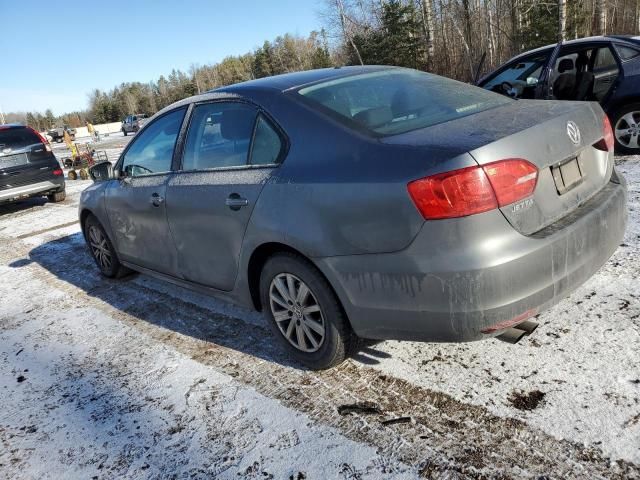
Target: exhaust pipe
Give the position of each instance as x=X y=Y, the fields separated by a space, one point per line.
x=514 y=334
x=511 y=335
x=528 y=326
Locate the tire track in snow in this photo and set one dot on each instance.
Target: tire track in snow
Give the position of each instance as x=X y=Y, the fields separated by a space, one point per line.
x=445 y=438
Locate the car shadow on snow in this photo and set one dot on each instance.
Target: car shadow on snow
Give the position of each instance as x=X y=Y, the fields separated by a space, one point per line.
x=169 y=306
x=21 y=205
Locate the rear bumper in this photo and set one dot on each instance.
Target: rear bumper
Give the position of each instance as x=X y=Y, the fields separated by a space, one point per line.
x=40 y=188
x=462 y=276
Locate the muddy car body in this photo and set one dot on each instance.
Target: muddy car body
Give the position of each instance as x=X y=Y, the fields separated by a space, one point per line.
x=375 y=201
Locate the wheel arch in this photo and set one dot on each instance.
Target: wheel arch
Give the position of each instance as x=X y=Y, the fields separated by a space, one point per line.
x=258 y=258
x=619 y=103
x=84 y=214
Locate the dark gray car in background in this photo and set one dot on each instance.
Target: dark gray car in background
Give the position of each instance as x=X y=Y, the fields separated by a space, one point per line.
x=28 y=167
x=376 y=202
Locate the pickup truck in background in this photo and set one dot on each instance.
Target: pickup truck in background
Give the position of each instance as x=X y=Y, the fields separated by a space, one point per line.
x=57 y=134
x=133 y=123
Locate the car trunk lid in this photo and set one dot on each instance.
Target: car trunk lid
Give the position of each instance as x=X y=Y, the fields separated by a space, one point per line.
x=569 y=173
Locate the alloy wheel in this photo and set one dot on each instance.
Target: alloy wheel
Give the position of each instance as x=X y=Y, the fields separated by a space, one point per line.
x=297 y=313
x=100 y=247
x=627 y=130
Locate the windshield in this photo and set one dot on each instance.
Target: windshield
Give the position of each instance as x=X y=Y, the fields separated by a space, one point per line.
x=396 y=101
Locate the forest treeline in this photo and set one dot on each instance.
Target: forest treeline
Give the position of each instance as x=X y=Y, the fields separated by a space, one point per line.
x=447 y=37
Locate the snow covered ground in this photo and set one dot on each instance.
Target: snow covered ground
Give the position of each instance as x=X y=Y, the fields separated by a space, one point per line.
x=142 y=379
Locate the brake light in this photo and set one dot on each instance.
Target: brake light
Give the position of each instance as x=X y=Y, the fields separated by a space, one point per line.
x=472 y=190
x=44 y=141
x=58 y=172
x=512 y=179
x=607 y=143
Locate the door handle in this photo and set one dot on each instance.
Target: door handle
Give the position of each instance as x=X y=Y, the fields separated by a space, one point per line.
x=156 y=200
x=236 y=202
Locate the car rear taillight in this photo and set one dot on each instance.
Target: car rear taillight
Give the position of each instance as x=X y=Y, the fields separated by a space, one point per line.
x=472 y=190
x=58 y=172
x=607 y=143
x=44 y=141
x=512 y=179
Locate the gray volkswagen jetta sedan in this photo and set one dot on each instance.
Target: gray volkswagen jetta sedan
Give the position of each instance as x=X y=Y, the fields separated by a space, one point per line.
x=372 y=202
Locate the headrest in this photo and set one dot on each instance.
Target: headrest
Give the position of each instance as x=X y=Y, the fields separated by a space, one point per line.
x=374 y=117
x=566 y=64
x=400 y=103
x=236 y=124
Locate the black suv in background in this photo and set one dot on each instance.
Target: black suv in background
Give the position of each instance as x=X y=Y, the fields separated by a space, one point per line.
x=598 y=69
x=28 y=168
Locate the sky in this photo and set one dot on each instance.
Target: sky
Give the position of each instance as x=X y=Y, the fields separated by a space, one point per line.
x=52 y=58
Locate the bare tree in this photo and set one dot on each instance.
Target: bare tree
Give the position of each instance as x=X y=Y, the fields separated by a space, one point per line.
x=345 y=30
x=562 y=20
x=428 y=26
x=601 y=7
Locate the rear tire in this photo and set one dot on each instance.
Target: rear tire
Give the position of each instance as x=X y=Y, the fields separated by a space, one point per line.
x=319 y=335
x=57 y=196
x=102 y=250
x=626 y=129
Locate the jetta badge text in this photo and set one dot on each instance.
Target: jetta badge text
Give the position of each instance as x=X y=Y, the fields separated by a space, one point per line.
x=573 y=132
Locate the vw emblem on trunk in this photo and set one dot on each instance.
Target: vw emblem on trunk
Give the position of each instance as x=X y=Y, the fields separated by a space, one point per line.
x=573 y=132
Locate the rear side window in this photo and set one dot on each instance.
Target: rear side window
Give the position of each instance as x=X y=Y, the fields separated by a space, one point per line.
x=17 y=139
x=152 y=151
x=396 y=101
x=219 y=136
x=605 y=59
x=267 y=144
x=627 y=53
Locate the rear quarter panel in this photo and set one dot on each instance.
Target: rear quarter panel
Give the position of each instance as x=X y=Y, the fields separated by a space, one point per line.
x=339 y=192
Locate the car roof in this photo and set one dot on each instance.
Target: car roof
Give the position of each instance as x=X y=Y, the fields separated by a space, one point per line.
x=629 y=39
x=287 y=81
x=7 y=126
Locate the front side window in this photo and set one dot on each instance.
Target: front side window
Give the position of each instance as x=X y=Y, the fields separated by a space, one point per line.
x=526 y=71
x=396 y=101
x=152 y=151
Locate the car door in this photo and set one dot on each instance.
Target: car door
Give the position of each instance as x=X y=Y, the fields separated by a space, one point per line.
x=230 y=151
x=135 y=202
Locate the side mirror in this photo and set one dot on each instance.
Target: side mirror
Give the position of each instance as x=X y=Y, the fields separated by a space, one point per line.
x=102 y=172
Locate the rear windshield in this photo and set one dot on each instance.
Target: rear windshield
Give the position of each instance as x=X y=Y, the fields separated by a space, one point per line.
x=17 y=139
x=394 y=101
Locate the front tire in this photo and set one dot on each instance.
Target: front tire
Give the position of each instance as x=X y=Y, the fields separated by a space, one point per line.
x=102 y=250
x=304 y=312
x=124 y=132
x=626 y=129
